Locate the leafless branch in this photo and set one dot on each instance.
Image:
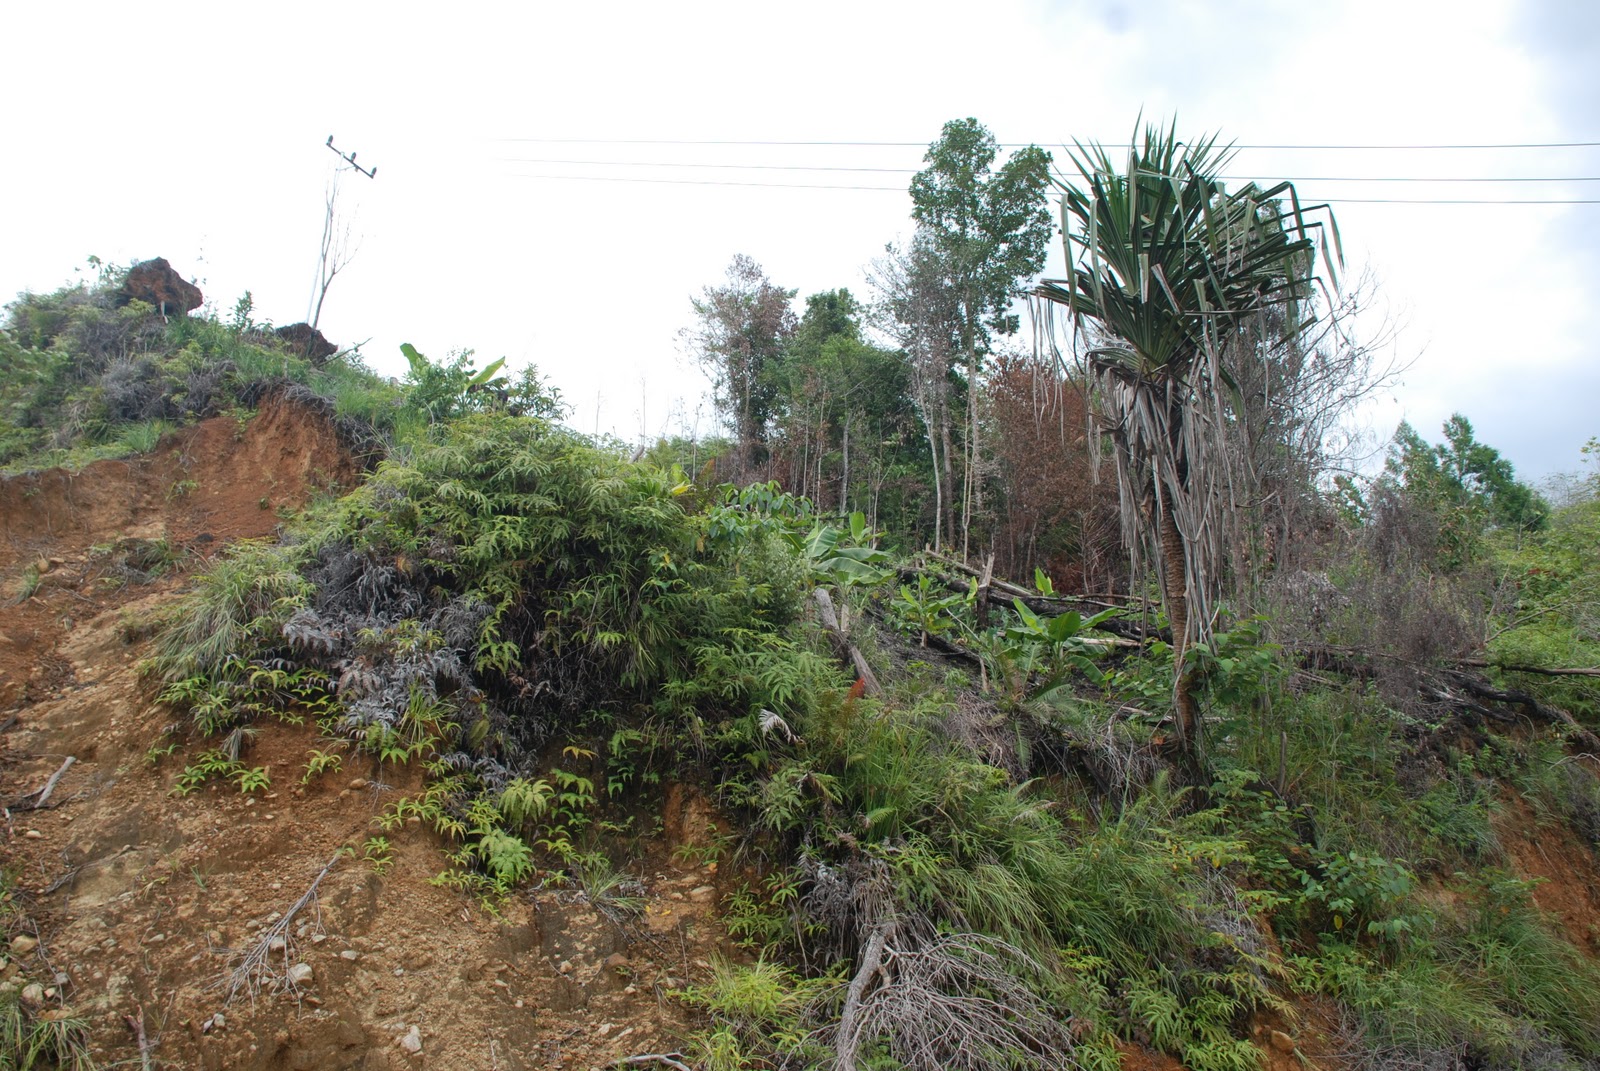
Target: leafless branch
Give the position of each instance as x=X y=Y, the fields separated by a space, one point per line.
x=254 y=968
x=653 y=1058
x=334 y=252
x=43 y=794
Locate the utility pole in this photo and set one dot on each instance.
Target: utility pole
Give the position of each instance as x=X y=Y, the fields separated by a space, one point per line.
x=351 y=160
x=334 y=253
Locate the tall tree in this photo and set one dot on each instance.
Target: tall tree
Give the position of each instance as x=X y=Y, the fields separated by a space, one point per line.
x=921 y=313
x=744 y=326
x=1164 y=265
x=986 y=230
x=1445 y=497
x=845 y=409
x=1480 y=471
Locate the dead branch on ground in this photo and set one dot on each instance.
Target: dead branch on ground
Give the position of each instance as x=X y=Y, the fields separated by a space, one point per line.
x=43 y=794
x=1543 y=671
x=254 y=969
x=135 y=1023
x=653 y=1058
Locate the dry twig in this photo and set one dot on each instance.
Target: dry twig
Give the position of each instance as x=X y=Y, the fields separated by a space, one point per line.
x=43 y=794
x=254 y=969
x=653 y=1058
x=136 y=1024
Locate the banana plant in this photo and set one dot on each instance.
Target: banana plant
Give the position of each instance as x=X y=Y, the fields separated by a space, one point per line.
x=1055 y=646
x=929 y=609
x=439 y=392
x=846 y=557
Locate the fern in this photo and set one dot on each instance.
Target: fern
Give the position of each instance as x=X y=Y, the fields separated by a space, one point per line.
x=506 y=857
x=523 y=802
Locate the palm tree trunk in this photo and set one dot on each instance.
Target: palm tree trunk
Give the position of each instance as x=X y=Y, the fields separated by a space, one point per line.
x=1174 y=583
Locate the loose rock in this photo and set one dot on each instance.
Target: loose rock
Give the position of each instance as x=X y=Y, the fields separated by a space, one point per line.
x=411 y=1040
x=307 y=341
x=156 y=282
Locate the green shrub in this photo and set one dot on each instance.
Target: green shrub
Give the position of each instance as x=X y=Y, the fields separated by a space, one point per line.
x=756 y=1010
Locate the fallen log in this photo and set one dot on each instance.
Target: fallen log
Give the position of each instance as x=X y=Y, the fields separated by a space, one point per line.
x=1128 y=631
x=1132 y=602
x=1544 y=711
x=1543 y=671
x=846 y=651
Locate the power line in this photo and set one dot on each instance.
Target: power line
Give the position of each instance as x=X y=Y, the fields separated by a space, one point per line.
x=709 y=182
x=1024 y=144
x=1423 y=148
x=725 y=167
x=913 y=171
x=898 y=189
x=1442 y=178
x=1453 y=201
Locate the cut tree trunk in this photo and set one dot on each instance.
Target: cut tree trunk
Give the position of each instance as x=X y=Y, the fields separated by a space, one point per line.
x=847 y=651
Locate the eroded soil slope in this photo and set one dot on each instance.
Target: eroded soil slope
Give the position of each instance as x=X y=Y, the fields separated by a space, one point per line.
x=143 y=901
x=89 y=534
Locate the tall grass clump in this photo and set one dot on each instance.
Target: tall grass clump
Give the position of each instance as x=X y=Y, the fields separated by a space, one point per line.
x=244 y=598
x=941 y=876
x=43 y=1042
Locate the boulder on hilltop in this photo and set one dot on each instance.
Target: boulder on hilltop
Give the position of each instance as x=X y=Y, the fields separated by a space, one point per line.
x=159 y=284
x=307 y=341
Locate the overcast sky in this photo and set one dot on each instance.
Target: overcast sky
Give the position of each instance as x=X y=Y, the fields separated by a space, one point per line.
x=196 y=132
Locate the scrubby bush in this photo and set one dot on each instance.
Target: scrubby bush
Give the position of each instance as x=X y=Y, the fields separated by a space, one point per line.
x=80 y=370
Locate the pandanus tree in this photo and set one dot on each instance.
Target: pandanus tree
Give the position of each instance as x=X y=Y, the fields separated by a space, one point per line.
x=1168 y=275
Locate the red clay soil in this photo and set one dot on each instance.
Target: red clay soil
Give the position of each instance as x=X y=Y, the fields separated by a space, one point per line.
x=143 y=900
x=198 y=490
x=220 y=478
x=1567 y=870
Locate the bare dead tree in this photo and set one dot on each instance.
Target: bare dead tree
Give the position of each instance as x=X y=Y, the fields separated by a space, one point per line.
x=1293 y=418
x=334 y=252
x=739 y=338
